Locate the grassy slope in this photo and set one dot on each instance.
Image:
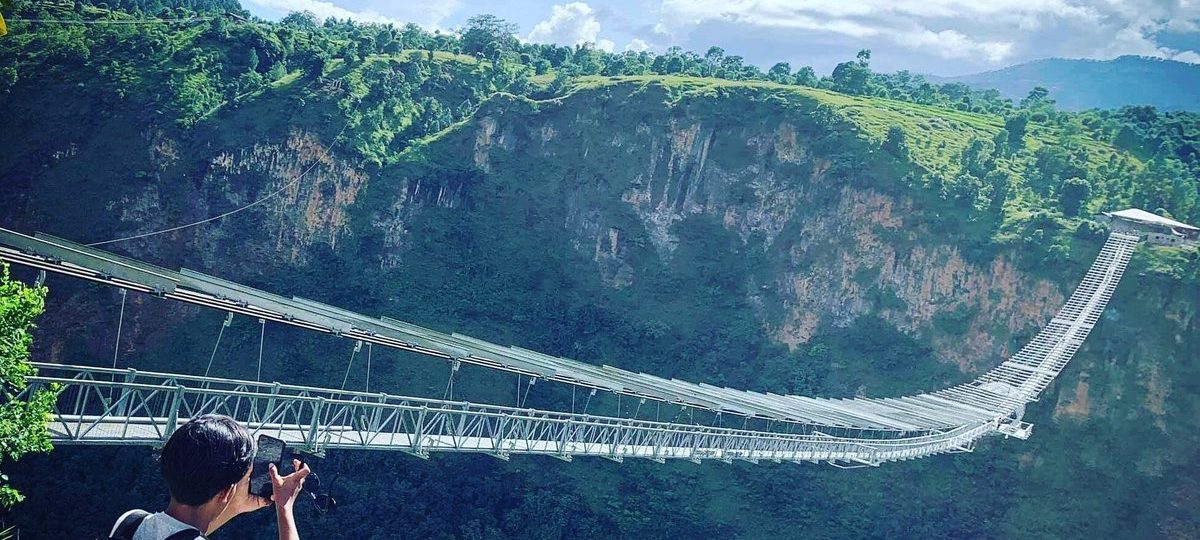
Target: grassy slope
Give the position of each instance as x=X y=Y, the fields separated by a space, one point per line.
x=938 y=134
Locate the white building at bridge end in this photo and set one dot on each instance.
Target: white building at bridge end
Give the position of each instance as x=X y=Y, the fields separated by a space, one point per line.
x=1151 y=227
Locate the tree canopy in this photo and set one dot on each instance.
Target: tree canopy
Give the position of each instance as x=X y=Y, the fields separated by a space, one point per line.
x=22 y=420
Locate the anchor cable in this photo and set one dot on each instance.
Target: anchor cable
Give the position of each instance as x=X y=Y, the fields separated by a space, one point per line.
x=268 y=197
x=262 y=336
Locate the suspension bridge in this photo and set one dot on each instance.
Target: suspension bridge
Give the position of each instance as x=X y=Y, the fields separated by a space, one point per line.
x=98 y=405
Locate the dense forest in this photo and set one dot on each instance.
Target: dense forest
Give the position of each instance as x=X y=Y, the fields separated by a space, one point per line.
x=672 y=213
x=191 y=70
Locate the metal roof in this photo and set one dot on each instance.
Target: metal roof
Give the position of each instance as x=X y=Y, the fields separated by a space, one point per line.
x=1142 y=216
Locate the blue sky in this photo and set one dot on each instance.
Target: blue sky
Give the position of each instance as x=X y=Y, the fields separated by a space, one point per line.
x=941 y=37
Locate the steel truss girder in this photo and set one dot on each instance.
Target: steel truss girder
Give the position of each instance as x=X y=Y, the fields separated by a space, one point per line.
x=108 y=406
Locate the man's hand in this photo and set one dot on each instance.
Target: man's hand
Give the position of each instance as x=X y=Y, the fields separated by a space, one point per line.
x=286 y=488
x=243 y=501
x=240 y=502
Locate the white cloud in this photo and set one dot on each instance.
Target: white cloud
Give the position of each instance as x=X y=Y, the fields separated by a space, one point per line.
x=990 y=31
x=323 y=10
x=953 y=44
x=430 y=14
x=637 y=45
x=786 y=12
x=1190 y=57
x=570 y=24
x=1138 y=37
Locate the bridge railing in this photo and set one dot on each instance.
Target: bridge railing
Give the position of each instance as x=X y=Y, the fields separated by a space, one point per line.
x=107 y=406
x=1024 y=376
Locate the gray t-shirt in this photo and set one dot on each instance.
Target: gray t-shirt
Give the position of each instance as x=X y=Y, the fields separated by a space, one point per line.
x=155 y=527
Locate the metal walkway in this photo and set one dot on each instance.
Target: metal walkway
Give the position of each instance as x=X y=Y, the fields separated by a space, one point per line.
x=101 y=406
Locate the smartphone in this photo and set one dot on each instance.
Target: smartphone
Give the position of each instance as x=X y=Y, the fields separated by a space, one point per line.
x=270 y=450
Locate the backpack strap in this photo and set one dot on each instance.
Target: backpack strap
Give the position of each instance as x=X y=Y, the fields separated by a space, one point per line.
x=186 y=534
x=127 y=524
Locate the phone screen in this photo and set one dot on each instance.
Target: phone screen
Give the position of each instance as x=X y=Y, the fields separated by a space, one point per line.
x=270 y=450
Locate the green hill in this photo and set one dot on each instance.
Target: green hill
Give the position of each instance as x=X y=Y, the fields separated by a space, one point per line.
x=726 y=229
x=1077 y=84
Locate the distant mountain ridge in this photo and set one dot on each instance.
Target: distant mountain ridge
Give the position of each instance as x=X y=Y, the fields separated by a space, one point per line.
x=1077 y=84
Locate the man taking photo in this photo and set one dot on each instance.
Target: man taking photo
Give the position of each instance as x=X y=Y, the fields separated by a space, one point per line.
x=206 y=464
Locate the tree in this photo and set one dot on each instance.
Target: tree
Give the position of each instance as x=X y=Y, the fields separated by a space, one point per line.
x=672 y=61
x=384 y=37
x=8 y=78
x=312 y=62
x=252 y=60
x=367 y=46
x=304 y=20
x=780 y=72
x=1036 y=97
x=250 y=80
x=22 y=421
x=896 y=142
x=493 y=52
x=351 y=53
x=976 y=158
x=1127 y=139
x=1073 y=195
x=1016 y=125
x=588 y=60
x=1053 y=165
x=482 y=30
x=713 y=58
x=1165 y=183
x=1000 y=184
x=559 y=84
x=732 y=67
x=805 y=76
x=219 y=27
x=853 y=77
x=965 y=190
x=412 y=36
x=1000 y=142
x=277 y=72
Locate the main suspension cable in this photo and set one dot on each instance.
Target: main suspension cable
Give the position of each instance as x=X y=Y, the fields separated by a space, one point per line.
x=449 y=393
x=346 y=377
x=262 y=336
x=367 y=388
x=528 y=387
x=120 y=322
x=589 y=401
x=117 y=343
x=224 y=324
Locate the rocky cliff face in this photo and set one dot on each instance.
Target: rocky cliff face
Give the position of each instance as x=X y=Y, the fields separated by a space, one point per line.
x=316 y=187
x=838 y=248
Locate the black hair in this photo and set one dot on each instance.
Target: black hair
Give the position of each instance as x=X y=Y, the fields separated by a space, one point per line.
x=204 y=456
